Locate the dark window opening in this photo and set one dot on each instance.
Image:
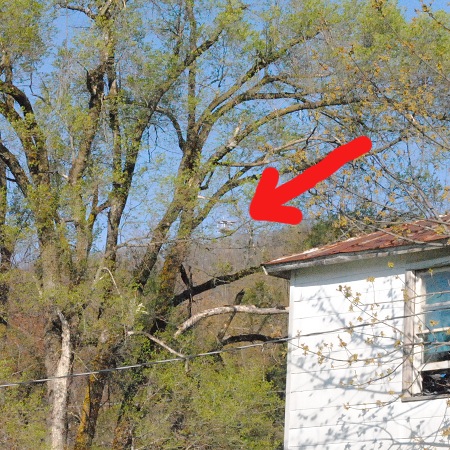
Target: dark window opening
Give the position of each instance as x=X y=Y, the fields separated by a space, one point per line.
x=436 y=382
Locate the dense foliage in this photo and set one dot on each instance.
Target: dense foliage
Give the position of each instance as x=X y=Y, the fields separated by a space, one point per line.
x=130 y=129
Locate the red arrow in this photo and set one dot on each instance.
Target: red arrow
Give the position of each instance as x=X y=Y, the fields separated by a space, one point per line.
x=268 y=201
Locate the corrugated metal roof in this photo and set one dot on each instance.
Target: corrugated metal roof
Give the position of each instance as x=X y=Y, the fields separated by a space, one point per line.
x=413 y=234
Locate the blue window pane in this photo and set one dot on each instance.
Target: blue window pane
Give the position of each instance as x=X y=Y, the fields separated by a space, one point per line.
x=435 y=346
x=437 y=316
x=436 y=284
x=437 y=319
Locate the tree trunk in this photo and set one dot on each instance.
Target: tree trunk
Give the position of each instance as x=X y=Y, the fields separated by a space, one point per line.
x=58 y=336
x=5 y=250
x=59 y=362
x=123 y=433
x=91 y=408
x=105 y=359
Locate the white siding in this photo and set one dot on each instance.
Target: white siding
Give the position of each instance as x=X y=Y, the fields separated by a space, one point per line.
x=344 y=362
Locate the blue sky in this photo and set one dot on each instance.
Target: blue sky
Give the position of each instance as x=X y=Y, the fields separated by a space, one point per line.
x=411 y=5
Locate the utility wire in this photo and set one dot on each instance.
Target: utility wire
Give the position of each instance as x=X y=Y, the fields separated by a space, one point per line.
x=146 y=364
x=346 y=328
x=216 y=352
x=212 y=353
x=199 y=355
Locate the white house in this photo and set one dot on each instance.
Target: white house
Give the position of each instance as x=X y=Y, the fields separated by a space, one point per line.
x=369 y=348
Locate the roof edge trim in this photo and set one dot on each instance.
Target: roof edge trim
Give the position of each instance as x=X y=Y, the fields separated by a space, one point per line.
x=283 y=270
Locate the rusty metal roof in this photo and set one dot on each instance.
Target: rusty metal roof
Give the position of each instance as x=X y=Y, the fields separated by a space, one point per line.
x=415 y=234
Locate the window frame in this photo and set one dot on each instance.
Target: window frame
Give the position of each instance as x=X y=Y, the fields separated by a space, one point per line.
x=413 y=348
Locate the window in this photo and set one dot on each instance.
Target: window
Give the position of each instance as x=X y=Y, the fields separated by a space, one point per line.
x=427 y=333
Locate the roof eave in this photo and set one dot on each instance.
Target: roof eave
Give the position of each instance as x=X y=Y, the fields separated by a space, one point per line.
x=284 y=269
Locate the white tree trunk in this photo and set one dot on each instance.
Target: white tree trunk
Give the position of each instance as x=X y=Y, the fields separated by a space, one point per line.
x=59 y=389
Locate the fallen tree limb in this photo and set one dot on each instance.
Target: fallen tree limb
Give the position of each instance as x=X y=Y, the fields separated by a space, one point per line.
x=247 y=309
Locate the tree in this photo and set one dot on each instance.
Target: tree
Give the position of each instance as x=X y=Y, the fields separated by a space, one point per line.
x=212 y=92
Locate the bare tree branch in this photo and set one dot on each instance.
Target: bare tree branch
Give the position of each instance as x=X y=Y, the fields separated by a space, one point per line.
x=85 y=10
x=149 y=259
x=28 y=131
x=214 y=282
x=18 y=95
x=95 y=86
x=156 y=341
x=227 y=323
x=222 y=151
x=16 y=169
x=247 y=309
x=166 y=112
x=232 y=183
x=262 y=62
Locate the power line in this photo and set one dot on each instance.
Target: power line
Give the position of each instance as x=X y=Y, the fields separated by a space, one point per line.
x=345 y=328
x=145 y=364
x=212 y=353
